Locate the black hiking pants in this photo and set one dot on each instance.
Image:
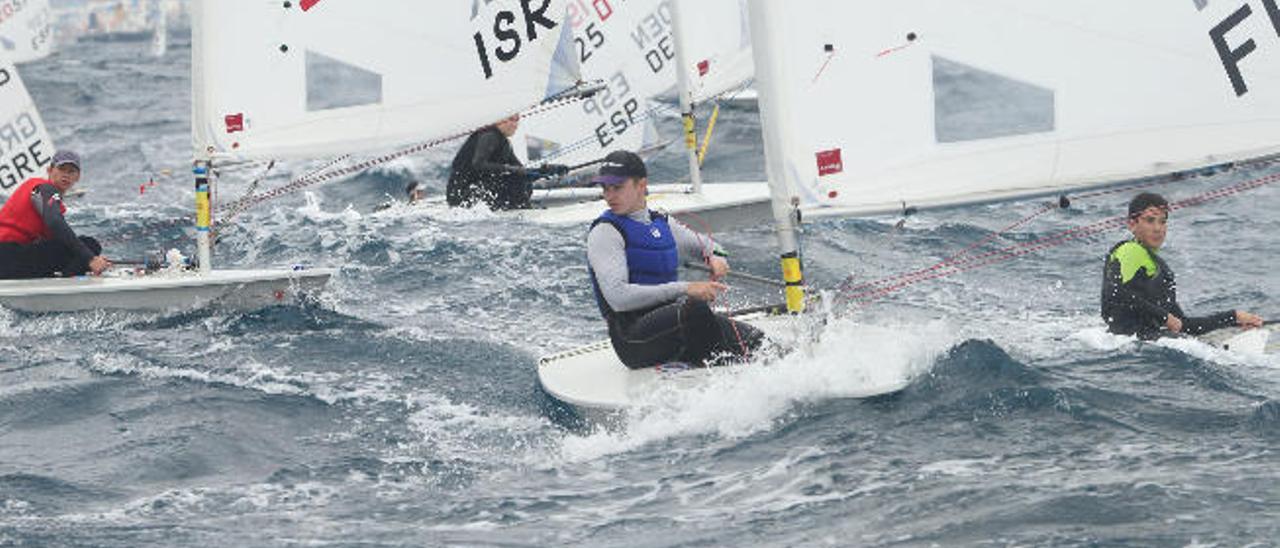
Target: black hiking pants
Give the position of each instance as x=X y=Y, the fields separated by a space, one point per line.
x=683 y=331
x=44 y=259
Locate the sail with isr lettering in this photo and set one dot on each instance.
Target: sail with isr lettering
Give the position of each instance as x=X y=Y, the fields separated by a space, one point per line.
x=318 y=77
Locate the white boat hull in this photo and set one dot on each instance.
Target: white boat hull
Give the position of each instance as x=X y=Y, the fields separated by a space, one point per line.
x=1253 y=341
x=237 y=289
x=593 y=379
x=719 y=207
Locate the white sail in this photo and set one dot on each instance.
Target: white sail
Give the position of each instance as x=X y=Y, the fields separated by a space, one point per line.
x=25 y=33
x=931 y=102
x=627 y=47
x=716 y=39
x=630 y=47
x=316 y=77
x=159 y=29
x=25 y=149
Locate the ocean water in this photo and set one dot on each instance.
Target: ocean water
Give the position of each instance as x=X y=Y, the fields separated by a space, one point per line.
x=403 y=408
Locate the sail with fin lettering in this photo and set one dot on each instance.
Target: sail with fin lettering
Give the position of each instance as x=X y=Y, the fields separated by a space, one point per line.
x=925 y=103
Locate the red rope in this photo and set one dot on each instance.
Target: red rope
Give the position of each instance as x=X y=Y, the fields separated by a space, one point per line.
x=871 y=291
x=949 y=260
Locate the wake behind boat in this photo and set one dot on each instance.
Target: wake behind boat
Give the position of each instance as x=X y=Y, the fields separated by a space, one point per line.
x=592 y=378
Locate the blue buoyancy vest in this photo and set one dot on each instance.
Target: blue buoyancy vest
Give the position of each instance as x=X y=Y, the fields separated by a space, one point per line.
x=652 y=255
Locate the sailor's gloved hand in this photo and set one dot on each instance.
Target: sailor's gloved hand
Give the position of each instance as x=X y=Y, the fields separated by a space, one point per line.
x=555 y=169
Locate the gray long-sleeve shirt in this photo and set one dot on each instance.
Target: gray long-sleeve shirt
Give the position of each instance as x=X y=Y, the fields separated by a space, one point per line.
x=607 y=255
x=46 y=200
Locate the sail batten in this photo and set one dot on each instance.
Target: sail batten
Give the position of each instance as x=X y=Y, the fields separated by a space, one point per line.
x=717 y=44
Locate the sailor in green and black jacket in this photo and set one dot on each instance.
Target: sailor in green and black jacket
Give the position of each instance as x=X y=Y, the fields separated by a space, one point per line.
x=1139 y=294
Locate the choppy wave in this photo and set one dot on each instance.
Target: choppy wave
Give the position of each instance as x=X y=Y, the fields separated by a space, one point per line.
x=404 y=408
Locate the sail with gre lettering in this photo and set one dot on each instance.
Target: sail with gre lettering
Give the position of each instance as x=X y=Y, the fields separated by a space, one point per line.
x=317 y=77
x=25 y=149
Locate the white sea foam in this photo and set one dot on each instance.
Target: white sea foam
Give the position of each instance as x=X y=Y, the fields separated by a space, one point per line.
x=454 y=430
x=328 y=387
x=740 y=401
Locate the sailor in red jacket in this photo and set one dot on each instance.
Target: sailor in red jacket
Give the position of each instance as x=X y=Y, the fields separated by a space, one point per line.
x=35 y=240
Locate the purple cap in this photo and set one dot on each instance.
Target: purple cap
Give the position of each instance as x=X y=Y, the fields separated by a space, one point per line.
x=619 y=166
x=64 y=157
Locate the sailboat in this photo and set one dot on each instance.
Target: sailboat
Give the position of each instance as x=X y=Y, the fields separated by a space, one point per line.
x=929 y=103
x=637 y=49
x=312 y=78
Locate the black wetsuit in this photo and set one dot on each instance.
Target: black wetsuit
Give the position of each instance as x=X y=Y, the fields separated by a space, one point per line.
x=685 y=331
x=659 y=324
x=487 y=170
x=1139 y=292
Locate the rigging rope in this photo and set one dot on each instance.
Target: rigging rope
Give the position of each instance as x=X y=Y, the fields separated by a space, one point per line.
x=321 y=175
x=310 y=179
x=867 y=292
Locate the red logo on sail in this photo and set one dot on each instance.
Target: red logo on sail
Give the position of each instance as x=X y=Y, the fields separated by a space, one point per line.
x=704 y=67
x=308 y=4
x=829 y=162
x=235 y=122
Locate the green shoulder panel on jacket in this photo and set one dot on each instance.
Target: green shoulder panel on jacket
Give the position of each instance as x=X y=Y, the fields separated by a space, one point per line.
x=1134 y=257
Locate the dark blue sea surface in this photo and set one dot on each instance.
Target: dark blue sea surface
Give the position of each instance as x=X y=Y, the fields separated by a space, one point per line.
x=403 y=408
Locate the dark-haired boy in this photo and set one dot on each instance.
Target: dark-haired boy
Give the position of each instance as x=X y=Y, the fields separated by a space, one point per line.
x=1139 y=294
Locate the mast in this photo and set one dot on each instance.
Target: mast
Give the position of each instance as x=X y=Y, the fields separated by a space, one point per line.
x=776 y=127
x=204 y=251
x=202 y=156
x=160 y=29
x=686 y=97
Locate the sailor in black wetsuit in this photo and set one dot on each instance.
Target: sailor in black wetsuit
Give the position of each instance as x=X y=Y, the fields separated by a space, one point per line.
x=487 y=170
x=1139 y=294
x=633 y=255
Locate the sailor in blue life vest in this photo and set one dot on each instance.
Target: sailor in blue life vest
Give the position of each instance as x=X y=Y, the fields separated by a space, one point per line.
x=35 y=240
x=487 y=170
x=633 y=255
x=1139 y=295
